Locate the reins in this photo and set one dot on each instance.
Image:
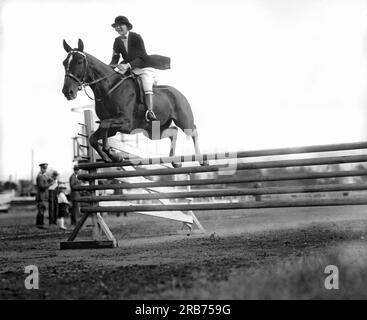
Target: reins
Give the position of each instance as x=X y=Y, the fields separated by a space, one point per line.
x=83 y=84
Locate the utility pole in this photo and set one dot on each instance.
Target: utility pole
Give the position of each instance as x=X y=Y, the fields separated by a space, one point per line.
x=32 y=165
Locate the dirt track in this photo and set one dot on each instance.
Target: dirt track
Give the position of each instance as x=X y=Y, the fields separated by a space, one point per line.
x=153 y=262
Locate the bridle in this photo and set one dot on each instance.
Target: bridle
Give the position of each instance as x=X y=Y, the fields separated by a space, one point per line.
x=81 y=81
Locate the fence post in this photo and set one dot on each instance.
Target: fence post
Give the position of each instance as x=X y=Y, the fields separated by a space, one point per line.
x=89 y=129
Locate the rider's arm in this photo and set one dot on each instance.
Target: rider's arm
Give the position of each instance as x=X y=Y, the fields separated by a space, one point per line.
x=115 y=59
x=115 y=55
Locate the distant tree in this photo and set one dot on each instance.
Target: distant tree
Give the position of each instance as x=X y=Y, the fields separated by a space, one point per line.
x=10 y=185
x=26 y=188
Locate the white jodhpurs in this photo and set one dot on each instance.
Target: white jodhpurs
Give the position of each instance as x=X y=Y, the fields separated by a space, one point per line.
x=148 y=78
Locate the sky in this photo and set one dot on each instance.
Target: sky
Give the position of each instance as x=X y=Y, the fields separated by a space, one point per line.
x=257 y=73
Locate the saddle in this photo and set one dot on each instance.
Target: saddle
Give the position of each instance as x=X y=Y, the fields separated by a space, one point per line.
x=139 y=86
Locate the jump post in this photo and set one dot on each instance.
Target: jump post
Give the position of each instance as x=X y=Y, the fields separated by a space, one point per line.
x=298 y=185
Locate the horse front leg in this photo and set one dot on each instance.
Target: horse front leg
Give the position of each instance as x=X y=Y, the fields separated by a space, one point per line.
x=112 y=154
x=107 y=125
x=94 y=142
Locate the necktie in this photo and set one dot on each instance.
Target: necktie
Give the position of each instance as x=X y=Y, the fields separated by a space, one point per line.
x=124 y=40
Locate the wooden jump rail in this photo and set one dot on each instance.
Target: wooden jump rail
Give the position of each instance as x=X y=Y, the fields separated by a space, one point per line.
x=226 y=155
x=236 y=166
x=214 y=168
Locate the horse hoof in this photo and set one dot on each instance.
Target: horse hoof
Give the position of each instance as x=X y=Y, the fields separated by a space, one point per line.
x=116 y=156
x=176 y=164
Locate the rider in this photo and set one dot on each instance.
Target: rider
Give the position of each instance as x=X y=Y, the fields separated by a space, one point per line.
x=130 y=46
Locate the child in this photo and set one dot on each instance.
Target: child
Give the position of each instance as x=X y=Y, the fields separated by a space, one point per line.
x=63 y=205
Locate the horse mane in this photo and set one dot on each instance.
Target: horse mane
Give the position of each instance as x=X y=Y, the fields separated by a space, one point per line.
x=96 y=62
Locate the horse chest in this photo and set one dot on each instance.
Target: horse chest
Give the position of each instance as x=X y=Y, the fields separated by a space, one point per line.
x=104 y=111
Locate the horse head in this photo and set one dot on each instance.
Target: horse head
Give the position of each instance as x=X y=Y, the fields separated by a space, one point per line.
x=76 y=65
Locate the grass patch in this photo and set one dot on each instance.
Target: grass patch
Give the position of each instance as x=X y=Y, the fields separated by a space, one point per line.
x=296 y=278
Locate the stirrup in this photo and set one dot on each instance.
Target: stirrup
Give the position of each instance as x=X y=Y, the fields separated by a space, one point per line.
x=151 y=114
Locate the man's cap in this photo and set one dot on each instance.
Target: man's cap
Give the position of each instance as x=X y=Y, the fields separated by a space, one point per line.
x=122 y=20
x=43 y=165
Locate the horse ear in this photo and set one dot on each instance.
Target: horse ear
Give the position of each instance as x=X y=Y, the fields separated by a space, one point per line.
x=66 y=46
x=80 y=45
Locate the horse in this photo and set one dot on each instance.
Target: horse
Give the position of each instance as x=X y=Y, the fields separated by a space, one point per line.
x=119 y=107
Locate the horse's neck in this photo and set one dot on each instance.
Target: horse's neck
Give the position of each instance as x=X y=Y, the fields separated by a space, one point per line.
x=98 y=70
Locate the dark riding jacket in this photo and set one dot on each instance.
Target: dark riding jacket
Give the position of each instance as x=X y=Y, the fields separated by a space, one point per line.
x=136 y=54
x=43 y=182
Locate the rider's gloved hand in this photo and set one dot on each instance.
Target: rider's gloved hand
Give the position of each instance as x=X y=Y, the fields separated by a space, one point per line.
x=124 y=66
x=116 y=68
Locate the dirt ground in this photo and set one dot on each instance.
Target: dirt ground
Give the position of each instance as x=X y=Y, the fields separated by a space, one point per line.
x=252 y=254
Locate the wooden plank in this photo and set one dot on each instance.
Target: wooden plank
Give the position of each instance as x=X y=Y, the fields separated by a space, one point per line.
x=67 y=245
x=228 y=192
x=96 y=231
x=235 y=205
x=78 y=226
x=227 y=155
x=172 y=215
x=228 y=168
x=105 y=228
x=196 y=221
x=226 y=180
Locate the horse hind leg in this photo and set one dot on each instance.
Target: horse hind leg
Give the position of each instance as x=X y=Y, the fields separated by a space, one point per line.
x=194 y=136
x=171 y=133
x=193 y=133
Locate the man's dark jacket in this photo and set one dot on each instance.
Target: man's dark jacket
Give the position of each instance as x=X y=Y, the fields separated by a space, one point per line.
x=43 y=182
x=136 y=55
x=74 y=181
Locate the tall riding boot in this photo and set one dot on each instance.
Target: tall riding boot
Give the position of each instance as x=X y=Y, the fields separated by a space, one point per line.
x=149 y=115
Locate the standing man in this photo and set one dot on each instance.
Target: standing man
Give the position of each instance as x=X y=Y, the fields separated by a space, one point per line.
x=43 y=182
x=130 y=46
x=75 y=206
